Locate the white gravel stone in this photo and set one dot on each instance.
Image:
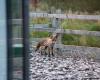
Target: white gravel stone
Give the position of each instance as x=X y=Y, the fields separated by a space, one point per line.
x=57 y=68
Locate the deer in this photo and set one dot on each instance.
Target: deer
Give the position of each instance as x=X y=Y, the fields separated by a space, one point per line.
x=47 y=44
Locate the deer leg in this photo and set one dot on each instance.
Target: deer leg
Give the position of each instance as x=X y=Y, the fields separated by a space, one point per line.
x=42 y=52
x=49 y=51
x=52 y=51
x=45 y=50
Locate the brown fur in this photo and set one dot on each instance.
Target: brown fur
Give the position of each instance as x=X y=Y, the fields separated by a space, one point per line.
x=47 y=44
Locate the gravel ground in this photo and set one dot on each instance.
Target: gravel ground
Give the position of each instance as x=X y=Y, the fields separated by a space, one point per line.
x=59 y=68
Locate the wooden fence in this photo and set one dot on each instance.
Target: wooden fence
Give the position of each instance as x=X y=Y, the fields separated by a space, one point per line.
x=65 y=16
x=70 y=48
x=68 y=31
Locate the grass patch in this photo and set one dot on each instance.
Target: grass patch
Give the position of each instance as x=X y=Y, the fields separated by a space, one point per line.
x=36 y=34
x=39 y=21
x=81 y=40
x=80 y=25
x=73 y=24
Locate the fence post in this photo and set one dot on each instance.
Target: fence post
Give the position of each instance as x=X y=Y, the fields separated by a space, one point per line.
x=55 y=23
x=58 y=20
x=60 y=36
x=98 y=21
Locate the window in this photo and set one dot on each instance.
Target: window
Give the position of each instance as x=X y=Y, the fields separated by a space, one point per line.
x=53 y=39
x=15 y=39
x=78 y=28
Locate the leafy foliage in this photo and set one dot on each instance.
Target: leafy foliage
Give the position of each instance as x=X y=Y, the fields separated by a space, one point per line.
x=80 y=25
x=69 y=39
x=74 y=5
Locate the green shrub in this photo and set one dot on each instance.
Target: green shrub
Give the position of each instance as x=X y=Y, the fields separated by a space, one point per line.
x=68 y=39
x=80 y=25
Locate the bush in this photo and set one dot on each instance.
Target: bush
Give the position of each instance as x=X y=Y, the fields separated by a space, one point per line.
x=68 y=39
x=80 y=25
